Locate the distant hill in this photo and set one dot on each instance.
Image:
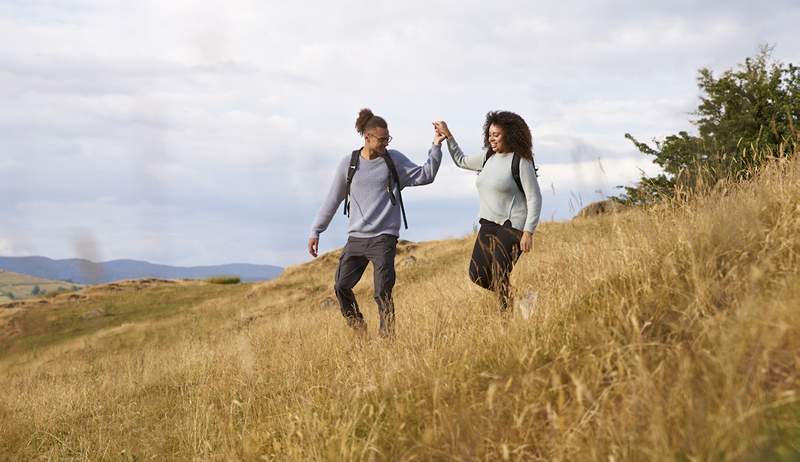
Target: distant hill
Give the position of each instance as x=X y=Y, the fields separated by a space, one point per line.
x=16 y=286
x=82 y=271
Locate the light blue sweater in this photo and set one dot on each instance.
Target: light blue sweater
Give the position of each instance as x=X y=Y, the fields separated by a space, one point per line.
x=500 y=198
x=371 y=210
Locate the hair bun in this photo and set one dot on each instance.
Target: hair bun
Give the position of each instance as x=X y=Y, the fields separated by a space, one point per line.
x=363 y=117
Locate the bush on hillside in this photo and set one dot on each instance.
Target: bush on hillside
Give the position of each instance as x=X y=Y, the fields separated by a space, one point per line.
x=224 y=280
x=746 y=117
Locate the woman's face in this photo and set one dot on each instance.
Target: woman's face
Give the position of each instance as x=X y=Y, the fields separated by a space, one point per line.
x=497 y=139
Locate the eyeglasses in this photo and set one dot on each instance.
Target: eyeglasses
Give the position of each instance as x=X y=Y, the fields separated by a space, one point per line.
x=386 y=140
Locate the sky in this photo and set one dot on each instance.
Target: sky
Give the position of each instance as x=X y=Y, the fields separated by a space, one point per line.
x=193 y=133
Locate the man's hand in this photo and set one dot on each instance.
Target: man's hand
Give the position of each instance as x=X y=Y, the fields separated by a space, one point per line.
x=526 y=243
x=313 y=246
x=438 y=136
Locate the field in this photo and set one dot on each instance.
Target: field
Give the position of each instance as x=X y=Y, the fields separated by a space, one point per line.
x=668 y=333
x=15 y=286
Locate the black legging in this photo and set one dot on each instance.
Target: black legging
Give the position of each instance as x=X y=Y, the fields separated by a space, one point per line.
x=493 y=257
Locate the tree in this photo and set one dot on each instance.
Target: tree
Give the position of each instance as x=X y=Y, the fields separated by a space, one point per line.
x=745 y=117
x=36 y=290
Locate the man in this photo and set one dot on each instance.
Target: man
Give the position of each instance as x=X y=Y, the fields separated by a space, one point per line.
x=374 y=206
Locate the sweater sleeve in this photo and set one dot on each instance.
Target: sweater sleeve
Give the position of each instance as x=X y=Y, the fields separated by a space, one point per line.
x=411 y=174
x=533 y=195
x=335 y=197
x=466 y=162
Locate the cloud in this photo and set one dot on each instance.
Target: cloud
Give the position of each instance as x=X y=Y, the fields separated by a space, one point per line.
x=13 y=245
x=205 y=132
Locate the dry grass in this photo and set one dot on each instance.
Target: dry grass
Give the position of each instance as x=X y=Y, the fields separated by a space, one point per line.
x=664 y=334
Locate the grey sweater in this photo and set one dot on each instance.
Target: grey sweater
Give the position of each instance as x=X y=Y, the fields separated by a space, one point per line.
x=371 y=210
x=500 y=198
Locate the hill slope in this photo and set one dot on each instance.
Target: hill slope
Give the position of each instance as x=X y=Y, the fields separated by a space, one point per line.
x=16 y=286
x=664 y=334
x=87 y=272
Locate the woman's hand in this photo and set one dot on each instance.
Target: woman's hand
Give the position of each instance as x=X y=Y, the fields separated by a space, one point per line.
x=526 y=243
x=438 y=136
x=441 y=127
x=313 y=246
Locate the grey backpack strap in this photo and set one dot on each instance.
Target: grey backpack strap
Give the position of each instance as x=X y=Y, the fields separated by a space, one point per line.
x=351 y=171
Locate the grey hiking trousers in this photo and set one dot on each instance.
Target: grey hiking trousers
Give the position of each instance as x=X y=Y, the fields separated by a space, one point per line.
x=357 y=253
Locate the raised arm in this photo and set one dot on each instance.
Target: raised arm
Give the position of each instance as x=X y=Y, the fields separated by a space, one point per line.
x=466 y=162
x=412 y=174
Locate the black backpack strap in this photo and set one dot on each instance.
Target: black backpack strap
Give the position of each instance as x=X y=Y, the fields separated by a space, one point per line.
x=515 y=172
x=515 y=169
x=390 y=189
x=351 y=171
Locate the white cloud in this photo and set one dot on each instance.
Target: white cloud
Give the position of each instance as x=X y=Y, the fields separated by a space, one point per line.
x=599 y=175
x=228 y=117
x=12 y=245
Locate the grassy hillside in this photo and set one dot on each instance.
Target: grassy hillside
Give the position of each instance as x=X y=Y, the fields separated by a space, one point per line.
x=664 y=334
x=15 y=286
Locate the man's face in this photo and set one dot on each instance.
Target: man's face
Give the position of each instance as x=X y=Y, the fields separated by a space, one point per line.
x=377 y=139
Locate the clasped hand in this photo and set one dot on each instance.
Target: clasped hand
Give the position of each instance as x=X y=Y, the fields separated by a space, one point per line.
x=440 y=131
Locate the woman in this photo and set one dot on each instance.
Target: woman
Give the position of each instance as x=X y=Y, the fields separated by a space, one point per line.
x=369 y=181
x=509 y=206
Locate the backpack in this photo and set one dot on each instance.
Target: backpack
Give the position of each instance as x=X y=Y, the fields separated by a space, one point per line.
x=351 y=171
x=514 y=169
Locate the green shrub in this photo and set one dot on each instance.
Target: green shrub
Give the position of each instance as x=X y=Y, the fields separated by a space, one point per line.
x=746 y=116
x=224 y=280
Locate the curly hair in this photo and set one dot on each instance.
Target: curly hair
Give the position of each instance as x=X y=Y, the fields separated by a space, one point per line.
x=516 y=133
x=366 y=120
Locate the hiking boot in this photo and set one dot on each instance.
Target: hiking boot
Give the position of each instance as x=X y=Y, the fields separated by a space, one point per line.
x=358 y=325
x=526 y=304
